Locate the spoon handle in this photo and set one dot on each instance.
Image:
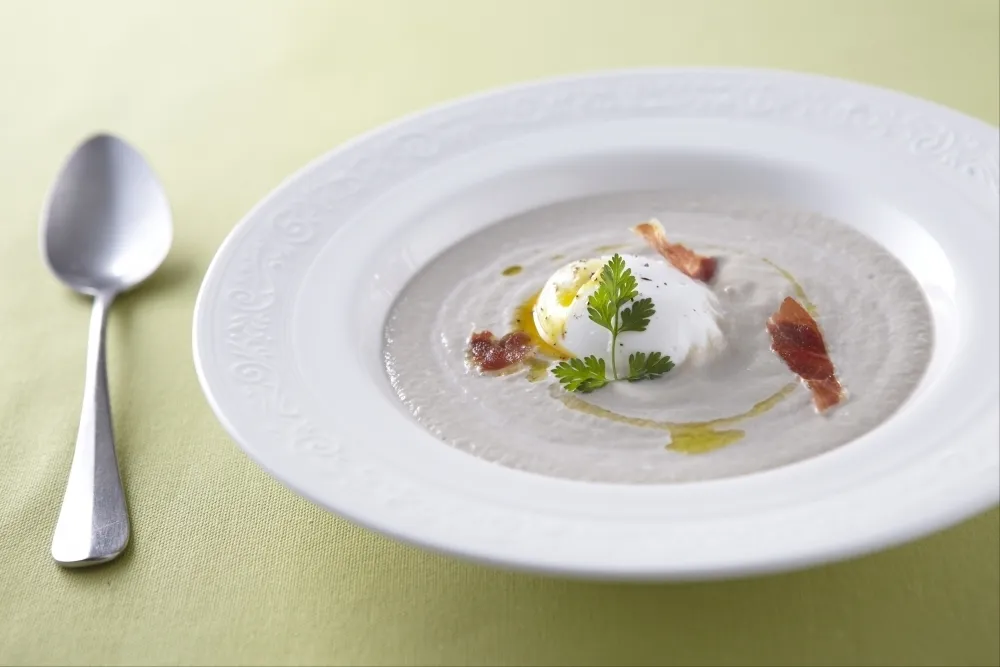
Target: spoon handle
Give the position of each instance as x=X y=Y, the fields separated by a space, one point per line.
x=93 y=524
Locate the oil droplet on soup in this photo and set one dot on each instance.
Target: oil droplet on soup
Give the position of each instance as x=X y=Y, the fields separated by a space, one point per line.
x=538 y=369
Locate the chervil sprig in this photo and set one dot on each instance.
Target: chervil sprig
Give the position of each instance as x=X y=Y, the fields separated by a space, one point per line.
x=616 y=288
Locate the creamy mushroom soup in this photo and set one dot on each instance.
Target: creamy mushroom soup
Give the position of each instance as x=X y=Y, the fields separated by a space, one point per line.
x=728 y=405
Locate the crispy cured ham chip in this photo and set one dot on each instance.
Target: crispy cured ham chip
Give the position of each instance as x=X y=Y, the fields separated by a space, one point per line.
x=797 y=340
x=489 y=353
x=683 y=258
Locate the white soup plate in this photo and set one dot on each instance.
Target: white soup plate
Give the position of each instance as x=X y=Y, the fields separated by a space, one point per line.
x=289 y=321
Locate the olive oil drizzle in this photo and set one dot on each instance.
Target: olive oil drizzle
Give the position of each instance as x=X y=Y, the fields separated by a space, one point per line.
x=800 y=293
x=685 y=437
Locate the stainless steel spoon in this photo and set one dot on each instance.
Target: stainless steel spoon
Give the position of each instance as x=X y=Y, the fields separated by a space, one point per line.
x=105 y=228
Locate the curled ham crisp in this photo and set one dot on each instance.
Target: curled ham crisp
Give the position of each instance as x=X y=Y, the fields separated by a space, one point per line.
x=489 y=353
x=796 y=339
x=683 y=258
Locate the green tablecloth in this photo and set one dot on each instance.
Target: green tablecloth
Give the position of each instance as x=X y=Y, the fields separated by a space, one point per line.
x=226 y=566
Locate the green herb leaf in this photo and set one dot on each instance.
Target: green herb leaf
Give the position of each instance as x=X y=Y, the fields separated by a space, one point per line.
x=625 y=286
x=616 y=287
x=642 y=366
x=583 y=375
x=636 y=317
x=601 y=312
x=601 y=306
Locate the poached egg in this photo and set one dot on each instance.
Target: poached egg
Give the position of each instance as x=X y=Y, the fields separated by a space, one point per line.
x=684 y=326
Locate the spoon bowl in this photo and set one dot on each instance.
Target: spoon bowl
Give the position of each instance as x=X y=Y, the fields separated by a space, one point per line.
x=105 y=228
x=107 y=223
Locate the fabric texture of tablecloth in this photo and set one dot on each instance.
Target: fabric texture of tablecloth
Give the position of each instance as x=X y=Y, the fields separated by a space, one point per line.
x=228 y=567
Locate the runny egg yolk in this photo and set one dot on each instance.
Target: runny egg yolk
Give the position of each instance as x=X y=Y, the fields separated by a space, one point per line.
x=551 y=311
x=685 y=321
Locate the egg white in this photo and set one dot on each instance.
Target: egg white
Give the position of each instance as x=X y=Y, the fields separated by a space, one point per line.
x=685 y=323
